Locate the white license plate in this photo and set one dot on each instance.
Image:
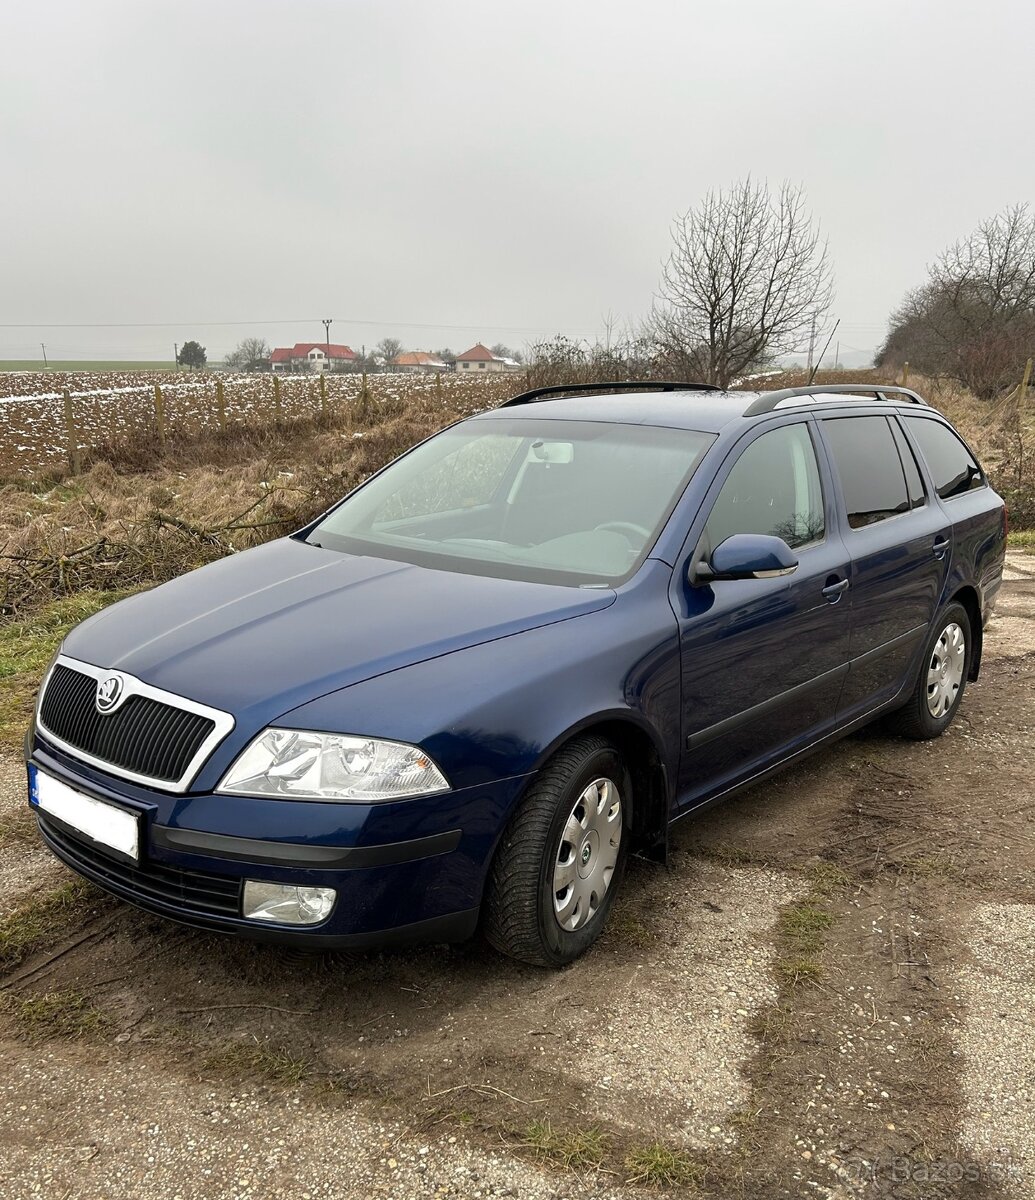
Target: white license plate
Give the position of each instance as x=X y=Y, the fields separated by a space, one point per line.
x=101 y=822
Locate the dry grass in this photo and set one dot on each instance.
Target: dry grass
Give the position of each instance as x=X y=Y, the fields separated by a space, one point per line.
x=66 y=1014
x=273 y=1063
x=40 y=920
x=151 y=512
x=731 y=856
x=567 y=1148
x=658 y=1165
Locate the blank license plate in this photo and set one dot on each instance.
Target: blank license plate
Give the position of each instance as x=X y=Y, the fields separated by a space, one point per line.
x=100 y=822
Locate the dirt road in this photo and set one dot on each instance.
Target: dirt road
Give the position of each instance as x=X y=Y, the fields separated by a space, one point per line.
x=826 y=993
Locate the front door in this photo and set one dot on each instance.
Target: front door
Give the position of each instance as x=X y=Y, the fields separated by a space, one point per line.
x=763 y=660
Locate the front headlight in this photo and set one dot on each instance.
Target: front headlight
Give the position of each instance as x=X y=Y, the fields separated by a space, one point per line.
x=332 y=766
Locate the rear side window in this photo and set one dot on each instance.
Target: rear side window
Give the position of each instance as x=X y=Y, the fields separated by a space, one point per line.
x=870 y=468
x=951 y=464
x=773 y=488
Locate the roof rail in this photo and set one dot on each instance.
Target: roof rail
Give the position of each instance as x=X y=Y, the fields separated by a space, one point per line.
x=768 y=401
x=619 y=385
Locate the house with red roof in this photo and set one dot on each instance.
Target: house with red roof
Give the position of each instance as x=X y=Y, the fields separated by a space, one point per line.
x=418 y=360
x=481 y=358
x=312 y=356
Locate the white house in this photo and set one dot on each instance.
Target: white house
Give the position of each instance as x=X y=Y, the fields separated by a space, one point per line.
x=311 y=356
x=481 y=358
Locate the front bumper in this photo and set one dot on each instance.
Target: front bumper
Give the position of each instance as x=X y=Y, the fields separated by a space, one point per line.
x=407 y=871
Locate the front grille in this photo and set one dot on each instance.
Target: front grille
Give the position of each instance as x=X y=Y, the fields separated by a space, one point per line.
x=143 y=735
x=148 y=884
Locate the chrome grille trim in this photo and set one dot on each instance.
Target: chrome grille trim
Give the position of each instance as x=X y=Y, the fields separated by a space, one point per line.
x=222 y=723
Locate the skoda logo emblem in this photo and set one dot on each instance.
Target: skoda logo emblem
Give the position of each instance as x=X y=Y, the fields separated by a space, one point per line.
x=109 y=693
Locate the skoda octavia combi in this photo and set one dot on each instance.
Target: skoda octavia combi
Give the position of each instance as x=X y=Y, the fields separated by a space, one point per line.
x=517 y=654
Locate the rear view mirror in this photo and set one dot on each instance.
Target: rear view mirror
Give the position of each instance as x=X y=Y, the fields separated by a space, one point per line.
x=551 y=452
x=747 y=556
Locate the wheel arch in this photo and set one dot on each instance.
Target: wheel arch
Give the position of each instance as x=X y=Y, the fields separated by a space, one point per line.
x=967 y=596
x=642 y=751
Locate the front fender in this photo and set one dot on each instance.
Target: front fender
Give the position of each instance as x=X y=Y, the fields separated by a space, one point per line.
x=498 y=710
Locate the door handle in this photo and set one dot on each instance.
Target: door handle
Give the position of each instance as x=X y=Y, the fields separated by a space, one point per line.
x=941 y=544
x=835 y=588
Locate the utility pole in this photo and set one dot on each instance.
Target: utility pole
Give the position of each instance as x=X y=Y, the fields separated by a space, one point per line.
x=837 y=355
x=812 y=345
x=44 y=349
x=327 y=323
x=176 y=355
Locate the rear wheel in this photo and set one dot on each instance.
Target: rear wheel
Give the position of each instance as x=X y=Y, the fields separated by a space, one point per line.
x=562 y=856
x=941 y=679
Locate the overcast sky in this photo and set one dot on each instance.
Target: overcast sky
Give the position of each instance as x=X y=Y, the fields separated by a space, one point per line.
x=446 y=171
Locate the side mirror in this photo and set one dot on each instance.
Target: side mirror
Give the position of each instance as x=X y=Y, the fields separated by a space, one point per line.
x=748 y=556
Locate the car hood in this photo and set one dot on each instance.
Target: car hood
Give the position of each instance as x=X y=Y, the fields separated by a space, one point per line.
x=264 y=631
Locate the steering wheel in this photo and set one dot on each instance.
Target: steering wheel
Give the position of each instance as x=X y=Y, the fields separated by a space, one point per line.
x=639 y=534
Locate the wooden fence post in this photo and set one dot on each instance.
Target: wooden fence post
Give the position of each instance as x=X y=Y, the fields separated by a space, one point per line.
x=323 y=396
x=71 y=434
x=905 y=374
x=276 y=398
x=220 y=406
x=160 y=414
x=1022 y=391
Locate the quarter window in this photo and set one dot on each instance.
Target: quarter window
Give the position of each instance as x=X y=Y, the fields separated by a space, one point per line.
x=774 y=488
x=870 y=468
x=951 y=464
x=914 y=484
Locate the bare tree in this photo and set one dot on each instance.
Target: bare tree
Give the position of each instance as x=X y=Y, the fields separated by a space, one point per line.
x=252 y=354
x=387 y=349
x=561 y=360
x=974 y=318
x=748 y=279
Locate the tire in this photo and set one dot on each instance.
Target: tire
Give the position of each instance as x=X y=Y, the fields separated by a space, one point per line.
x=938 y=692
x=524 y=909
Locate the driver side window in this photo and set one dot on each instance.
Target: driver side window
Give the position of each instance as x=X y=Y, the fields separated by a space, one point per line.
x=774 y=488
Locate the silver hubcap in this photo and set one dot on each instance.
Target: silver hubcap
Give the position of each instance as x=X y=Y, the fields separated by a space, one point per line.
x=587 y=854
x=945 y=670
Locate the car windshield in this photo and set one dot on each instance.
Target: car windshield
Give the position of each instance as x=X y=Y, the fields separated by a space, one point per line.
x=571 y=502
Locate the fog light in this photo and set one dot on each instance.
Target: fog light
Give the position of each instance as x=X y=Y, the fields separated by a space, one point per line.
x=287 y=904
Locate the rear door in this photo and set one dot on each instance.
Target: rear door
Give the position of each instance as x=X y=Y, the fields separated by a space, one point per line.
x=900 y=544
x=762 y=660
x=976 y=513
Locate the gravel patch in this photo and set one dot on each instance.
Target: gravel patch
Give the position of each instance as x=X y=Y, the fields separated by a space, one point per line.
x=94 y=1130
x=997 y=1040
x=1019 y=566
x=1010 y=637
x=676 y=1037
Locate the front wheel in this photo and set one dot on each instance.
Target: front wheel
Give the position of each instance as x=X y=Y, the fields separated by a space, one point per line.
x=941 y=679
x=562 y=857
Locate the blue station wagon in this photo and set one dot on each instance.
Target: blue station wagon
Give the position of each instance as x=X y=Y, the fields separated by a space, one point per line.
x=518 y=653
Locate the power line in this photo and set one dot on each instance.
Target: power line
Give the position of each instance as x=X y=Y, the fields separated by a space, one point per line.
x=222 y=324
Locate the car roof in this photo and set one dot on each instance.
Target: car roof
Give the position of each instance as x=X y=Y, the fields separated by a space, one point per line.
x=696 y=408
x=705 y=411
